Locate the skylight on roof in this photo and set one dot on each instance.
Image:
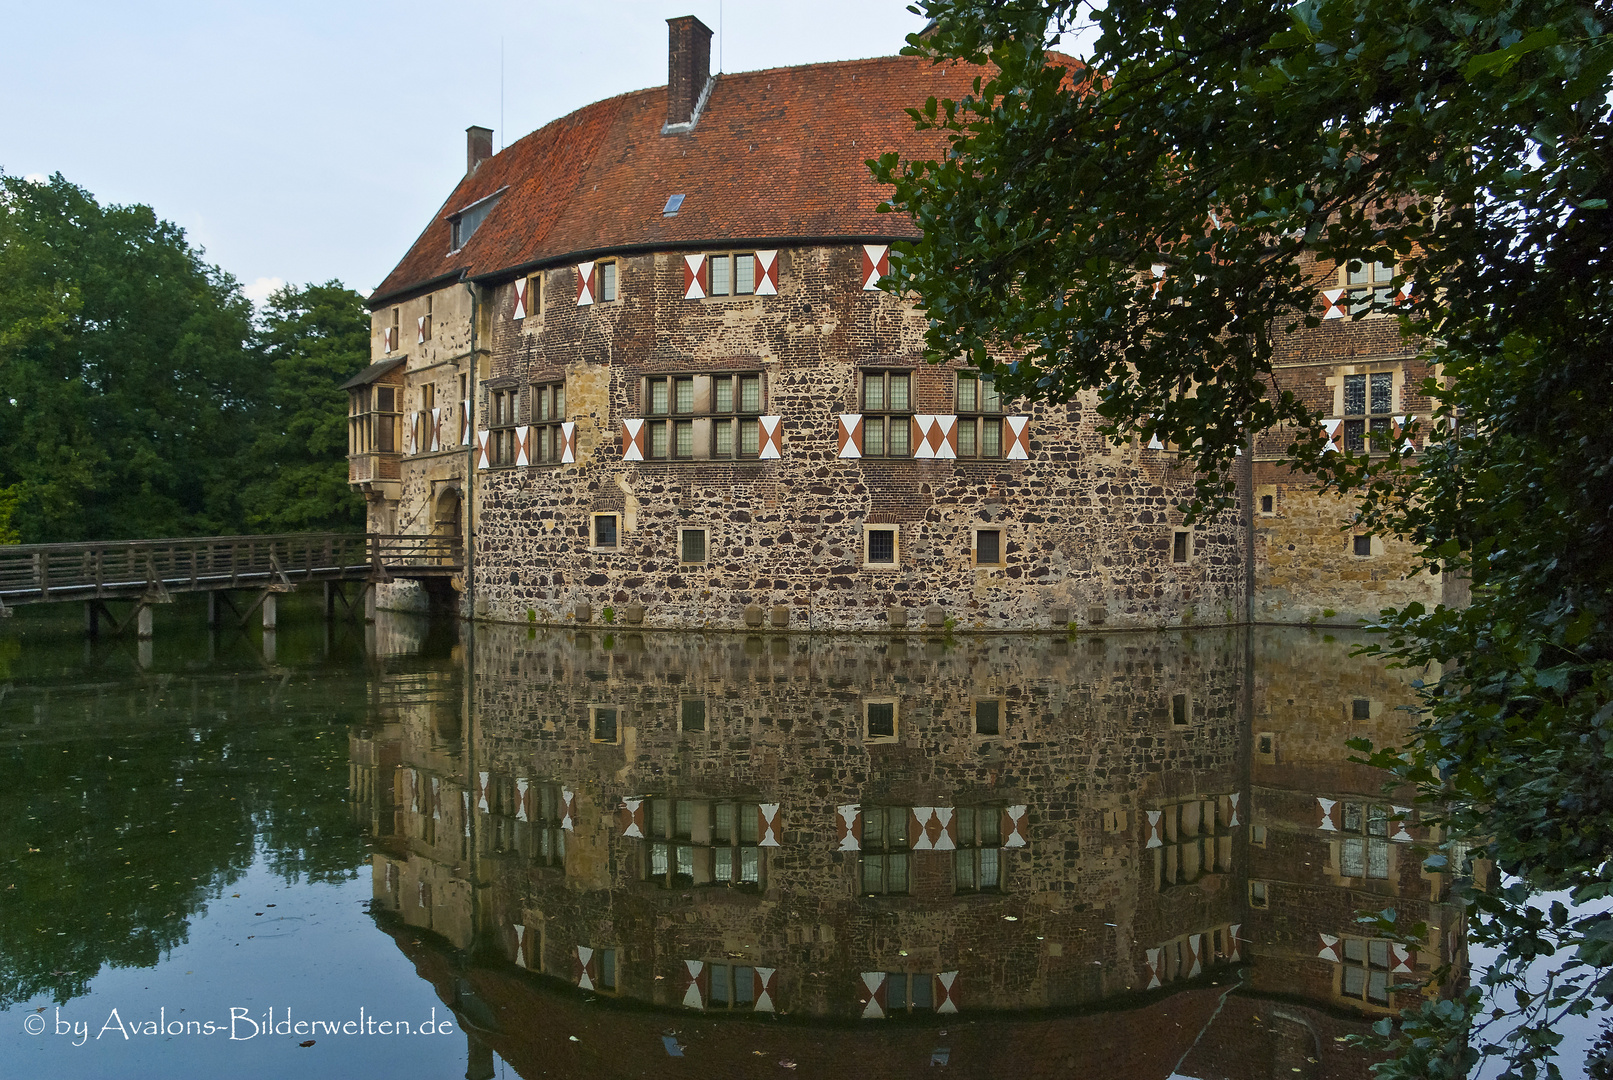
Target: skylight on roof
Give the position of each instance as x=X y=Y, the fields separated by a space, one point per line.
x=672 y=204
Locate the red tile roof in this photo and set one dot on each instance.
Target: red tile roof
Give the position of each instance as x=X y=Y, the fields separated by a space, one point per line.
x=777 y=155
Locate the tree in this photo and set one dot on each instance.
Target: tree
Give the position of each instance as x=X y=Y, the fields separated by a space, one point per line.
x=1468 y=141
x=314 y=338
x=123 y=370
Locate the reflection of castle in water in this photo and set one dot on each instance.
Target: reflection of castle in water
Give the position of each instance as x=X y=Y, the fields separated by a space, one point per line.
x=1105 y=834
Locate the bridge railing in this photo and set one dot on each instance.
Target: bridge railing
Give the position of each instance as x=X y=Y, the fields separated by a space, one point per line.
x=398 y=550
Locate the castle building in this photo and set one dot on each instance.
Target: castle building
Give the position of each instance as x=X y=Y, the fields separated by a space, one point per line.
x=640 y=364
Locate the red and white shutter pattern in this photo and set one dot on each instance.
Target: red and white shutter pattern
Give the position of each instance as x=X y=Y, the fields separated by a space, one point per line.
x=848 y=828
x=568 y=442
x=1330 y=949
x=1152 y=962
x=1154 y=840
x=1332 y=429
x=521 y=786
x=1154 y=441
x=772 y=428
x=630 y=816
x=633 y=440
x=934 y=829
x=386 y=340
x=411 y=785
x=436 y=799
x=568 y=808
x=420 y=330
x=433 y=440
x=765 y=986
x=523 y=446
x=519 y=312
x=935 y=436
x=1402 y=814
x=1329 y=809
x=584 y=967
x=1234 y=950
x=876 y=264
x=767 y=825
x=1195 y=953
x=1403 y=957
x=585 y=284
x=851 y=436
x=694 y=277
x=694 y=984
x=482 y=459
x=481 y=793
x=1019 y=438
x=1233 y=819
x=520 y=944
x=1335 y=303
x=1013 y=827
x=1158 y=270
x=874 y=987
x=767 y=273
x=946 y=1000
x=464 y=818
x=1403 y=297
x=464 y=423
x=1398 y=433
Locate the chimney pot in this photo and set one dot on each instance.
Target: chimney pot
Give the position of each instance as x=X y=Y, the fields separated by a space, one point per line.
x=478 y=147
x=688 y=67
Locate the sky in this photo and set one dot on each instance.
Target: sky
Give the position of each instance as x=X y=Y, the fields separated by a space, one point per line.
x=300 y=141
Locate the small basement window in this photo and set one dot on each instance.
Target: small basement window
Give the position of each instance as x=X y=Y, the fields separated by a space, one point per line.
x=988 y=547
x=1181 y=546
x=988 y=716
x=1363 y=546
x=605 y=530
x=692 y=545
x=880 y=720
x=880 y=546
x=603 y=723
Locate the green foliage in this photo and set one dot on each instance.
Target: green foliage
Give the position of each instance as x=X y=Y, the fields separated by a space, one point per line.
x=1234 y=144
x=9 y=498
x=314 y=339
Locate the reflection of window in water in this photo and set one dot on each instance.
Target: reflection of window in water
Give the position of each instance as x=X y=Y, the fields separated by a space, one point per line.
x=1367 y=853
x=885 y=849
x=880 y=719
x=1366 y=970
x=904 y=992
x=1196 y=840
x=603 y=723
x=732 y=986
x=977 y=862
x=703 y=842
x=523 y=818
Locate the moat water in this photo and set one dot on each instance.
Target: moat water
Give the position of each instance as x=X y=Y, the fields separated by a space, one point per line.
x=412 y=850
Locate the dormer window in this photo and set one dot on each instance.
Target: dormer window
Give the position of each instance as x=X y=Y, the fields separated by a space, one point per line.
x=463 y=225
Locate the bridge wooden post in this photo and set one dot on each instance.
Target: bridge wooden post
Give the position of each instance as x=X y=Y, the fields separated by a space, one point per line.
x=269 y=612
x=212 y=609
x=142 y=621
x=369 y=601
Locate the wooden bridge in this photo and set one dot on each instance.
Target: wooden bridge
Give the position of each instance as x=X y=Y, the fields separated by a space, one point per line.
x=147 y=572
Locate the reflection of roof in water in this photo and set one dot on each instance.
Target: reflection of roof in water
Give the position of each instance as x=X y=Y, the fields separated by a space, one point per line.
x=534 y=1019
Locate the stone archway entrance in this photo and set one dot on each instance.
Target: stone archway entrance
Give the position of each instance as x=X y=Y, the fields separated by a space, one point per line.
x=446 y=518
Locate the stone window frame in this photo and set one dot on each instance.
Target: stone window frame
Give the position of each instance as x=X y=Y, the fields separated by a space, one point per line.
x=1184 y=698
x=979 y=419
x=616 y=281
x=1370 y=289
x=1374 y=546
x=594 y=709
x=683 y=712
x=1259 y=894
x=893 y=855
x=1264 y=492
x=1258 y=834
x=908 y=980
x=1002 y=716
x=535 y=288
x=503 y=415
x=593 y=531
x=725 y=969
x=546 y=408
x=889 y=418
x=973 y=848
x=733 y=278
x=896 y=719
x=703 y=844
x=1266 y=747
x=1369 y=838
x=1002 y=545
x=1206 y=831
x=1187 y=547
x=743 y=424
x=600 y=985
x=1369 y=966
x=896 y=545
x=705 y=545
x=425 y=320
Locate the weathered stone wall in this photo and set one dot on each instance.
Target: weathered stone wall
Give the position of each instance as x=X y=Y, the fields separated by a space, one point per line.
x=1087 y=527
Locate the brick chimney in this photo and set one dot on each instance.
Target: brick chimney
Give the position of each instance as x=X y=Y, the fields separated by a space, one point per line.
x=478 y=147
x=688 y=68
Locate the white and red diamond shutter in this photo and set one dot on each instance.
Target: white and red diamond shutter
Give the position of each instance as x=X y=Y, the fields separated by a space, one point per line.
x=1234 y=950
x=420 y=330
x=694 y=277
x=1159 y=277
x=436 y=798
x=1403 y=957
x=772 y=428
x=630 y=817
x=1153 y=829
x=568 y=808
x=585 y=284
x=918 y=827
x=1014 y=830
x=1402 y=816
x=876 y=264
x=848 y=828
x=584 y=967
x=481 y=792
x=1019 y=438
x=568 y=442
x=520 y=300
x=767 y=816
x=767 y=273
x=411 y=785
x=764 y=987
x=1332 y=429
x=521 y=803
x=464 y=423
x=1195 y=949
x=1403 y=297
x=520 y=944
x=851 y=436
x=1152 y=962
x=482 y=459
x=523 y=446
x=1330 y=949
x=1329 y=811
x=632 y=440
x=1335 y=304
x=435 y=422
x=874 y=988
x=694 y=984
x=946 y=992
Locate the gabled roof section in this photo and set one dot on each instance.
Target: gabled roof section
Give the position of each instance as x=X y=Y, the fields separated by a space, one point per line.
x=778 y=155
x=371 y=373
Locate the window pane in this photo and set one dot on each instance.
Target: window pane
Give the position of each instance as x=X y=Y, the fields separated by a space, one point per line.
x=1355 y=395
x=990 y=868
x=723 y=828
x=923 y=992
x=896 y=876
x=723 y=869
x=988 y=549
x=719 y=984
x=658 y=440
x=684 y=820
x=1352 y=858
x=605 y=530
x=723 y=388
x=723 y=438
x=605 y=725
x=1378 y=858
x=694 y=545
x=899 y=430
x=749 y=438
x=1378 y=987
x=1355 y=437
x=658 y=396
x=684 y=399
x=899 y=393
x=744 y=275
x=685 y=869
x=685 y=438
x=1381 y=273
x=873 y=392
x=659 y=817
x=964 y=862
x=873 y=436
x=694 y=719
x=966 y=393
x=882 y=545
x=896 y=826
x=1355 y=950
x=1377 y=821
x=560 y=403
x=1378 y=954
x=1357 y=273
x=990 y=400
x=1352 y=817
x=658 y=860
x=1383 y=384
x=967 y=446
x=607 y=968
x=750 y=393
x=1355 y=981
x=720 y=269
x=895 y=991
x=881 y=719
x=543 y=404
x=750 y=866
x=991 y=438
x=990 y=825
x=873 y=873
x=607 y=281
x=873 y=830
x=744 y=985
